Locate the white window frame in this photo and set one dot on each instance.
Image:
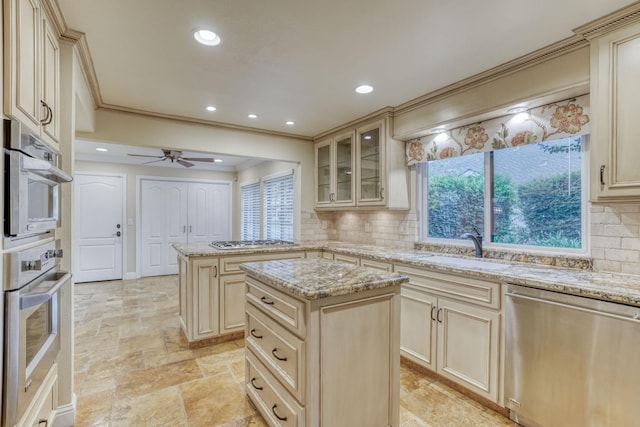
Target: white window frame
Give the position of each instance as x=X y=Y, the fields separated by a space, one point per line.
x=423 y=226
x=247 y=184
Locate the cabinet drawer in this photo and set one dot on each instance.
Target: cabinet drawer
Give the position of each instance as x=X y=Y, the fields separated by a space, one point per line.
x=347 y=259
x=287 y=310
x=273 y=402
x=45 y=402
x=231 y=264
x=278 y=349
x=462 y=288
x=378 y=265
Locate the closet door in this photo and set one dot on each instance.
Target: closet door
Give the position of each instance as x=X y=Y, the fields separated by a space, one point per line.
x=209 y=212
x=163 y=221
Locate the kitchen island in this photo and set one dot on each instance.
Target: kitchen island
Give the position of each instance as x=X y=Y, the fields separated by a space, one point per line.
x=323 y=343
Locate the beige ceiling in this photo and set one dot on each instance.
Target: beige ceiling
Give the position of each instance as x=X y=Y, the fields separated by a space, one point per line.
x=301 y=60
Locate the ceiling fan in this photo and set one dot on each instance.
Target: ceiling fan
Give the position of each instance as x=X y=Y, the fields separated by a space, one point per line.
x=175 y=156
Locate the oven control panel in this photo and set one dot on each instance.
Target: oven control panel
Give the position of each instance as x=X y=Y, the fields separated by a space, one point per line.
x=27 y=264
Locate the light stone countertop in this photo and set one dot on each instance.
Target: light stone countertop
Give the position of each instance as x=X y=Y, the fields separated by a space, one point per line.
x=604 y=286
x=316 y=278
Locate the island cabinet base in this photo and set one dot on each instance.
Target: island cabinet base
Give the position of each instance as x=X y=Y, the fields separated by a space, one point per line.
x=331 y=362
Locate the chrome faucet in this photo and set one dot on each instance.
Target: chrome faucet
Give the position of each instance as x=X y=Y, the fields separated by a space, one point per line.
x=477 y=241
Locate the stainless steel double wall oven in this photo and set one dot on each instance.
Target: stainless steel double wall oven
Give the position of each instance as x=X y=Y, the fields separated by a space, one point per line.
x=33 y=280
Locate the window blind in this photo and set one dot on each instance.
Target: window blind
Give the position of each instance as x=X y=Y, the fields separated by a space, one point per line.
x=278 y=208
x=250 y=212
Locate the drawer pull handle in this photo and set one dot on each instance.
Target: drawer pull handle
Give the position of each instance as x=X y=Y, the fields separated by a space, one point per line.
x=433 y=314
x=254 y=385
x=264 y=300
x=284 y=359
x=43 y=423
x=253 y=334
x=439 y=318
x=273 y=409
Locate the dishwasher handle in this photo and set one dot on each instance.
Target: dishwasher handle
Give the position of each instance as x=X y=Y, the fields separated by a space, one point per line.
x=583 y=304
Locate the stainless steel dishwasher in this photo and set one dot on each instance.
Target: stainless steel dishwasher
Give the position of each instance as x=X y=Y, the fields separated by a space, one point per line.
x=570 y=360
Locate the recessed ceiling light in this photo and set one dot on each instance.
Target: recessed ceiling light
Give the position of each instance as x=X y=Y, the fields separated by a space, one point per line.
x=291 y=123
x=364 y=89
x=211 y=108
x=217 y=160
x=252 y=116
x=101 y=149
x=206 y=37
x=516 y=110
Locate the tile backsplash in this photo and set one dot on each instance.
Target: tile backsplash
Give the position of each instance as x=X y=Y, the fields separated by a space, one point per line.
x=614 y=232
x=615 y=238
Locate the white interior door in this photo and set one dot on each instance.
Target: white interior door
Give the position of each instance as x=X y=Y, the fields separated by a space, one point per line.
x=209 y=215
x=99 y=227
x=163 y=221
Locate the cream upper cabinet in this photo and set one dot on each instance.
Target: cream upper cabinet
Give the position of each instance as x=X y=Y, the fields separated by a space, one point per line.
x=32 y=68
x=362 y=168
x=335 y=180
x=615 y=98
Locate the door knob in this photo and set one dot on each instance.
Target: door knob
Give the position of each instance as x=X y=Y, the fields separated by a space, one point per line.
x=117 y=225
x=118 y=233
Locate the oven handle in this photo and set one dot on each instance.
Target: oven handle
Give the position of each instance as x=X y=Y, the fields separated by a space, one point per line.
x=45 y=169
x=31 y=300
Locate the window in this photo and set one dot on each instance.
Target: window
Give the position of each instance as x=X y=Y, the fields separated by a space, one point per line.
x=531 y=195
x=278 y=208
x=250 y=212
x=266 y=210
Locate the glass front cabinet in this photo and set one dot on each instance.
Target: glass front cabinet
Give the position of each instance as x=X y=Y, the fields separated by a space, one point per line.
x=335 y=178
x=370 y=153
x=359 y=167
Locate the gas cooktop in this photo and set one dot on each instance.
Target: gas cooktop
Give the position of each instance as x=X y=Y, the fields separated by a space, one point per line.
x=242 y=244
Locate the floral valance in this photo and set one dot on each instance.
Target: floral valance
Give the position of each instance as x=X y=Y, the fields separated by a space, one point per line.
x=551 y=121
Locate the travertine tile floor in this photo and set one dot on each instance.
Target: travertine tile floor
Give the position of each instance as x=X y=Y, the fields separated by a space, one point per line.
x=133 y=368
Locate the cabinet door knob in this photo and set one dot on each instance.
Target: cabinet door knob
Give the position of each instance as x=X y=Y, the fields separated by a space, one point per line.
x=602 y=175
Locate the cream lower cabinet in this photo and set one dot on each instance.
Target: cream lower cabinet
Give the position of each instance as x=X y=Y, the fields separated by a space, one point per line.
x=331 y=362
x=212 y=293
x=42 y=410
x=451 y=325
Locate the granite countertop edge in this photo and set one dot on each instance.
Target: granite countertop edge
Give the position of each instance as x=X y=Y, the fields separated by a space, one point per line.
x=320 y=278
x=612 y=287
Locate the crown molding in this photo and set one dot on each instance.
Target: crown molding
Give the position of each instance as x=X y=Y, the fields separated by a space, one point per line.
x=547 y=53
x=376 y=115
x=614 y=20
x=185 y=119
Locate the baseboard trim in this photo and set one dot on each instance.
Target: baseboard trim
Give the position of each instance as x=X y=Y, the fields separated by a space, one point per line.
x=131 y=276
x=66 y=414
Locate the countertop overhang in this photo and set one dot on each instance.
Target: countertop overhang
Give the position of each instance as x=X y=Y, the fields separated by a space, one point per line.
x=611 y=287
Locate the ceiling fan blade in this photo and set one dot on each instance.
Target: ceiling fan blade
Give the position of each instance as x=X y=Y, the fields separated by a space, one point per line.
x=154 y=161
x=199 y=159
x=185 y=164
x=144 y=155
